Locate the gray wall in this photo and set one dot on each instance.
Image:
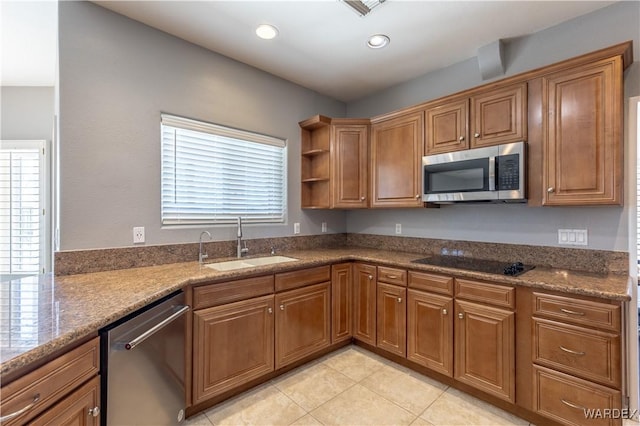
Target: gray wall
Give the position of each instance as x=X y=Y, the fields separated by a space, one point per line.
x=26 y=112
x=116 y=77
x=607 y=226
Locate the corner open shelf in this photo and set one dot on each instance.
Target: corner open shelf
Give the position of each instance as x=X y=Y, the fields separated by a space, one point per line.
x=316 y=140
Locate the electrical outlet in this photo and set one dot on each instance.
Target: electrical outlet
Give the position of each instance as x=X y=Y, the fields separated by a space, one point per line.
x=398 y=228
x=138 y=234
x=324 y=226
x=296 y=228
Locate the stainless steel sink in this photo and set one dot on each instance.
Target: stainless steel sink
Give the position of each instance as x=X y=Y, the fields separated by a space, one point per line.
x=249 y=263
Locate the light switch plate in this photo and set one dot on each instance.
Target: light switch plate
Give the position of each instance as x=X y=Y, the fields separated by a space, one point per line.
x=573 y=237
x=324 y=226
x=398 y=228
x=296 y=228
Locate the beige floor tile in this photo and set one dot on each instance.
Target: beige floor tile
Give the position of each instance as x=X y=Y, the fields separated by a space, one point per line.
x=354 y=364
x=361 y=406
x=265 y=405
x=307 y=420
x=199 y=420
x=421 y=422
x=313 y=386
x=413 y=393
x=457 y=408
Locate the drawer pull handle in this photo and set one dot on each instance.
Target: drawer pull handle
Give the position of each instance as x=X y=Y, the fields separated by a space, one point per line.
x=572 y=352
x=21 y=411
x=572 y=405
x=567 y=311
x=392 y=277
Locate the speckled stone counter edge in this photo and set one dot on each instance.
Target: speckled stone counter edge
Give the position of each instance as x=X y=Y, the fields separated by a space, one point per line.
x=595 y=261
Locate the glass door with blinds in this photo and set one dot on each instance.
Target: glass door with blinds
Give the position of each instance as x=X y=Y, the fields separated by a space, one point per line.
x=23 y=193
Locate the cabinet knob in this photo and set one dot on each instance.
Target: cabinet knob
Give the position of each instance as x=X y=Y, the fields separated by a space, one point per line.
x=94 y=412
x=444 y=312
x=363 y=198
x=477 y=135
x=270 y=310
x=461 y=138
x=282 y=307
x=370 y=277
x=399 y=299
x=550 y=190
x=417 y=196
x=461 y=315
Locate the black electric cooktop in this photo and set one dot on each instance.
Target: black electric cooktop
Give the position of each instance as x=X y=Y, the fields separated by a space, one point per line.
x=478 y=265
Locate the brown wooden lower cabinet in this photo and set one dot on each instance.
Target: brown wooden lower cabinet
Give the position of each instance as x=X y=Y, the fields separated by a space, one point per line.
x=80 y=408
x=341 y=302
x=574 y=401
x=303 y=322
x=484 y=348
x=392 y=318
x=232 y=344
x=364 y=303
x=430 y=331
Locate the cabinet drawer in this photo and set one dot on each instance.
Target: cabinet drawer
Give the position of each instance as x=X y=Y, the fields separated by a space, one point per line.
x=565 y=399
x=392 y=276
x=232 y=291
x=493 y=294
x=590 y=354
x=577 y=311
x=51 y=382
x=431 y=282
x=295 y=279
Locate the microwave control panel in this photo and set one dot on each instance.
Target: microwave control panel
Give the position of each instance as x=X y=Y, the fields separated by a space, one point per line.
x=508 y=172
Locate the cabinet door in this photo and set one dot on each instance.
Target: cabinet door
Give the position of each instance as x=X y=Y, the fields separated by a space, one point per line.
x=349 y=166
x=396 y=158
x=582 y=135
x=430 y=331
x=364 y=303
x=392 y=318
x=80 y=408
x=303 y=322
x=499 y=116
x=484 y=348
x=447 y=127
x=232 y=344
x=341 y=305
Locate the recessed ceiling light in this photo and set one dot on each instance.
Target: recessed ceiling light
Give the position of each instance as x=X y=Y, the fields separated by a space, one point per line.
x=378 y=41
x=266 y=31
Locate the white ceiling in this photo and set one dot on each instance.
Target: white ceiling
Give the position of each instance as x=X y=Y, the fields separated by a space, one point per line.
x=322 y=44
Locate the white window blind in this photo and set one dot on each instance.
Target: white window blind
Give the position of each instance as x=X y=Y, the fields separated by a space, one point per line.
x=213 y=174
x=21 y=207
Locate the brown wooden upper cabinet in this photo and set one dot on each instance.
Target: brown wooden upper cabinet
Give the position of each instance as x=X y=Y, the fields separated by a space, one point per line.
x=582 y=134
x=490 y=117
x=334 y=162
x=396 y=158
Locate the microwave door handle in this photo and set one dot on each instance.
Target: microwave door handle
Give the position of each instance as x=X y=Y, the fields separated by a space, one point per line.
x=492 y=173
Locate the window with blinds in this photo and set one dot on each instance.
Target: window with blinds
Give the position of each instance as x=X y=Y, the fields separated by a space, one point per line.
x=21 y=207
x=213 y=174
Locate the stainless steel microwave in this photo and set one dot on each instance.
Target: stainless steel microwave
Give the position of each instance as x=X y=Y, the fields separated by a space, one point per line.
x=491 y=174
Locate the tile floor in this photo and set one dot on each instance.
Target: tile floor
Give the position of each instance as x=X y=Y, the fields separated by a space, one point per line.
x=354 y=387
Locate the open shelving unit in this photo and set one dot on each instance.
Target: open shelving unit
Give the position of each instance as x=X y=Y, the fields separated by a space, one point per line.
x=316 y=156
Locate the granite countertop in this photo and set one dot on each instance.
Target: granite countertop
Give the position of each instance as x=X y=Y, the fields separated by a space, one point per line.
x=48 y=313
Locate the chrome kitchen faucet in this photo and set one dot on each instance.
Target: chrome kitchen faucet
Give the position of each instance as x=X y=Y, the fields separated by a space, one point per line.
x=241 y=250
x=202 y=256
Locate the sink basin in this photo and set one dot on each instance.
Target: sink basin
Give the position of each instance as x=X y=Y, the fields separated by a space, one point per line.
x=249 y=263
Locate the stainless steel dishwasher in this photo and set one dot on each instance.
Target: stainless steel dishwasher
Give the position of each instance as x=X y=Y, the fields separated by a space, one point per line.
x=142 y=366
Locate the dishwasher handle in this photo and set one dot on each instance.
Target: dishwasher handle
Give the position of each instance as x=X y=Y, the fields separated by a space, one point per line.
x=144 y=336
